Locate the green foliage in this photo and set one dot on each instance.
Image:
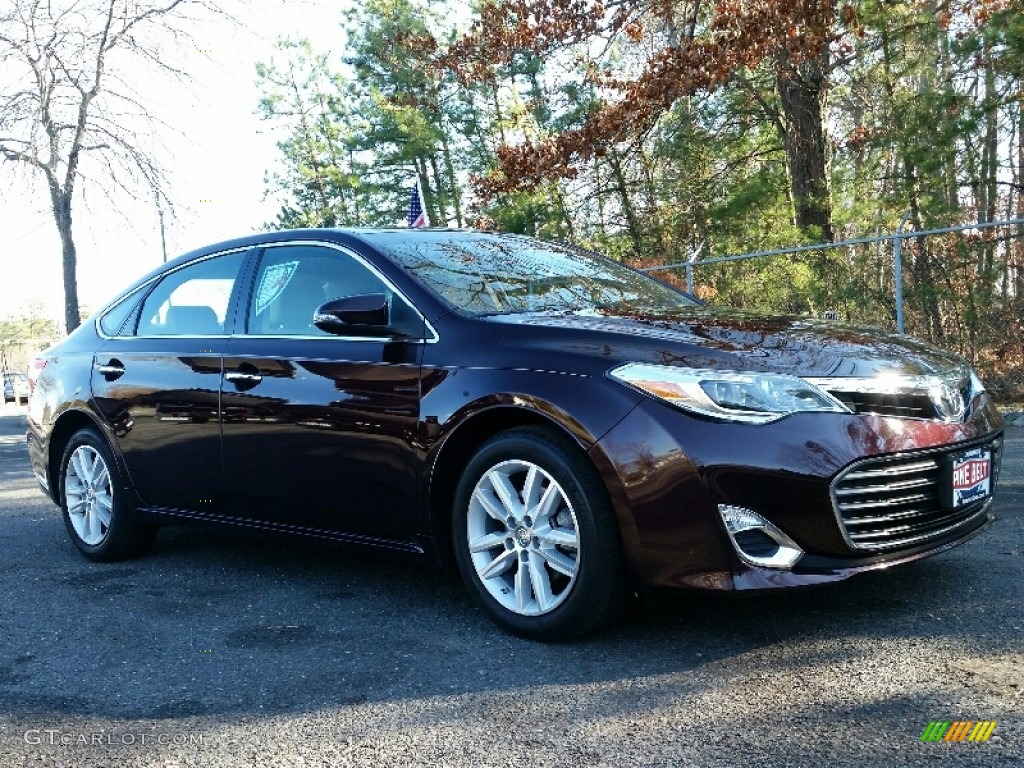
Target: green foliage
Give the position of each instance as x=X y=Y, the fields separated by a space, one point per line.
x=31 y=325
x=923 y=124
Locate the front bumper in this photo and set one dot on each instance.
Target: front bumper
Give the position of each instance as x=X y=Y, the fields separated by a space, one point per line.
x=668 y=473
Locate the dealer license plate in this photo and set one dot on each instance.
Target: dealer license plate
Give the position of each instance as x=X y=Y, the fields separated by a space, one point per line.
x=972 y=476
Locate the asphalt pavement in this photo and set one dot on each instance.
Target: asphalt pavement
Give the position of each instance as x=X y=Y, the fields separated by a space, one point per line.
x=219 y=649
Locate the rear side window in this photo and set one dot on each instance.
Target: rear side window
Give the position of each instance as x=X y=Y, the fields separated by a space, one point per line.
x=116 y=321
x=193 y=300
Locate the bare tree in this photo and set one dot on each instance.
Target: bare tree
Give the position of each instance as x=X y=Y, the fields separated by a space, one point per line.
x=66 y=97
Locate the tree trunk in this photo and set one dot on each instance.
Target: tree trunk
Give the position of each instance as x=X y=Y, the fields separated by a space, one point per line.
x=429 y=206
x=563 y=211
x=441 y=197
x=61 y=202
x=944 y=70
x=802 y=90
x=924 y=274
x=453 y=185
x=1018 y=267
x=334 y=157
x=632 y=225
x=991 y=164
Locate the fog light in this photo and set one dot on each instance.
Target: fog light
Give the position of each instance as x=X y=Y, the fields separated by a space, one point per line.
x=757 y=541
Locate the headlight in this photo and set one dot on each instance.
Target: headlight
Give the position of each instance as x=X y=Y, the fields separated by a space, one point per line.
x=756 y=398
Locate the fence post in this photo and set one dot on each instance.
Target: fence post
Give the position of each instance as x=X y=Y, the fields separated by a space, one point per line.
x=897 y=271
x=689 y=266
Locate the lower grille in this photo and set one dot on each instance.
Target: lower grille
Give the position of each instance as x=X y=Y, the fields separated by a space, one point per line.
x=894 y=502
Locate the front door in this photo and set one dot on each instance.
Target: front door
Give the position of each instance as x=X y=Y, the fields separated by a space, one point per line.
x=320 y=430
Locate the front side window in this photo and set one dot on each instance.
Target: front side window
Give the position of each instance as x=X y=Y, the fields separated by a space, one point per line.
x=293 y=281
x=193 y=300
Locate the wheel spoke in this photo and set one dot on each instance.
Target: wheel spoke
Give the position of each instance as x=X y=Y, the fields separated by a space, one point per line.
x=487 y=501
x=532 y=489
x=557 y=537
x=499 y=565
x=557 y=561
x=549 y=503
x=74 y=491
x=91 y=529
x=488 y=541
x=522 y=587
x=103 y=509
x=506 y=492
x=101 y=481
x=89 y=466
x=540 y=582
x=79 y=462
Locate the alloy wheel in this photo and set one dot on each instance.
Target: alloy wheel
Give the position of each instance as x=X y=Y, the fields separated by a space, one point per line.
x=523 y=538
x=89 y=495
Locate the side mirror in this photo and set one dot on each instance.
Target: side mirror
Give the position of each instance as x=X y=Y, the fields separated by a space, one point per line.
x=366 y=314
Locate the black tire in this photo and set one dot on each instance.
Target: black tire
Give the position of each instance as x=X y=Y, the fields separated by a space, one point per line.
x=549 y=567
x=98 y=511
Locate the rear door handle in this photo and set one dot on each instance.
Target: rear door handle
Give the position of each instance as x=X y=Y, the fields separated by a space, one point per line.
x=113 y=369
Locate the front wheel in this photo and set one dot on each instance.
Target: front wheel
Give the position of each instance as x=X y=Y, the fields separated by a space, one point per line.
x=97 y=510
x=536 y=540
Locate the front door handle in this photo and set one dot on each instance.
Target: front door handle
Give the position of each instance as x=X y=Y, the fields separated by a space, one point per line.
x=245 y=376
x=237 y=377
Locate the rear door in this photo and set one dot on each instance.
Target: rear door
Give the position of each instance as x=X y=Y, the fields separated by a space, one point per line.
x=156 y=380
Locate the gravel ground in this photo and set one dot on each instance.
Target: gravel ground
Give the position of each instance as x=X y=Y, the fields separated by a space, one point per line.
x=222 y=650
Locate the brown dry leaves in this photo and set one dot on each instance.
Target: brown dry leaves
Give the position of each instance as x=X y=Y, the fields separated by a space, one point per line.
x=710 y=43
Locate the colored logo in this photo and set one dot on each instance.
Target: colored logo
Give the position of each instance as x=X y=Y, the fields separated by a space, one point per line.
x=958 y=730
x=972 y=476
x=969 y=473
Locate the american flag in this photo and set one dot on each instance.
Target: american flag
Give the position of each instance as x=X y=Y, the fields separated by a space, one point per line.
x=416 y=217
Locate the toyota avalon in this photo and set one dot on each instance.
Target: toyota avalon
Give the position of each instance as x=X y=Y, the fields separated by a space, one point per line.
x=563 y=430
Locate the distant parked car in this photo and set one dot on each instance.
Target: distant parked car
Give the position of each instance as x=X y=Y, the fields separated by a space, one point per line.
x=561 y=428
x=15 y=388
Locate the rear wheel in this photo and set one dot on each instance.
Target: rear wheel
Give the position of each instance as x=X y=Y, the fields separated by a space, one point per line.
x=96 y=507
x=535 y=537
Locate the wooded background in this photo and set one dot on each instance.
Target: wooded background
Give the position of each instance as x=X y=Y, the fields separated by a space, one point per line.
x=652 y=130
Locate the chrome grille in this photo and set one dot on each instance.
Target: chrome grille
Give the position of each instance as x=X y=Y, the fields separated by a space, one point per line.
x=946 y=398
x=894 y=502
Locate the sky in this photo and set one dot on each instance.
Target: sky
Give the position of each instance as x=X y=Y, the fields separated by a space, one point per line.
x=217 y=152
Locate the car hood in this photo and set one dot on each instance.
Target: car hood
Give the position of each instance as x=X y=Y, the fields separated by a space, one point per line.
x=736 y=340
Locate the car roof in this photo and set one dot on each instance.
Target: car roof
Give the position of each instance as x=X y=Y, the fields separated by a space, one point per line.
x=340 y=235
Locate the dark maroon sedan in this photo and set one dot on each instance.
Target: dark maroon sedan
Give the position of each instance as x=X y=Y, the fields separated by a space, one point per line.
x=564 y=429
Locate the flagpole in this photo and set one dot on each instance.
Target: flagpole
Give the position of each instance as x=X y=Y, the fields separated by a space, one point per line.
x=423 y=200
x=417 y=217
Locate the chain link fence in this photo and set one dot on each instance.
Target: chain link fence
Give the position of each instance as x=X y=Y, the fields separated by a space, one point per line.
x=959 y=287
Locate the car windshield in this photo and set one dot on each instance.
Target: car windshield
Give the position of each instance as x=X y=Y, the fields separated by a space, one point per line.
x=488 y=274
